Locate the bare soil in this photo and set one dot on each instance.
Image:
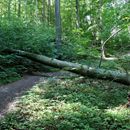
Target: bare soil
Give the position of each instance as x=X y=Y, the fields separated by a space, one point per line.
x=10 y=92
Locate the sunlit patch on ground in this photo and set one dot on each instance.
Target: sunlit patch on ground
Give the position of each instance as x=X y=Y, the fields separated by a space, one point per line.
x=119 y=112
x=71 y=104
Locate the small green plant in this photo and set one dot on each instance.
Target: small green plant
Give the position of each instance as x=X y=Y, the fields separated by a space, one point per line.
x=68 y=104
x=9 y=75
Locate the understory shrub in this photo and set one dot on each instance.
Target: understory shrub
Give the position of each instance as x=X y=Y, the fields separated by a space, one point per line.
x=31 y=37
x=17 y=34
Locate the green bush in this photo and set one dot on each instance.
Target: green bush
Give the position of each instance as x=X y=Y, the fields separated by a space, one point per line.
x=27 y=36
x=17 y=34
x=9 y=75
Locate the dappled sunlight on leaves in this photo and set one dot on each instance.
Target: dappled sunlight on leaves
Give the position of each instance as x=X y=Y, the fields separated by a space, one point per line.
x=119 y=112
x=69 y=104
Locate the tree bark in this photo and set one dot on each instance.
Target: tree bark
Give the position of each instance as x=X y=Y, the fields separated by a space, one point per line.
x=25 y=9
x=58 y=27
x=36 y=9
x=77 y=14
x=9 y=9
x=76 y=68
x=43 y=10
x=49 y=12
x=19 y=8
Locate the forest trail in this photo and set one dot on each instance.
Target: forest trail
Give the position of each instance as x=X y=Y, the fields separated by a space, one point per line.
x=10 y=92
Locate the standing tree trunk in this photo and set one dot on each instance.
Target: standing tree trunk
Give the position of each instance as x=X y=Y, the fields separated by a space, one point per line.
x=36 y=9
x=25 y=8
x=15 y=7
x=58 y=27
x=43 y=10
x=19 y=8
x=9 y=9
x=100 y=27
x=49 y=11
x=77 y=14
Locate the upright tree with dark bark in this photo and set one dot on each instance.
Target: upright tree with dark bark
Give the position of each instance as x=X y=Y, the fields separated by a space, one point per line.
x=43 y=10
x=9 y=9
x=25 y=8
x=49 y=11
x=58 y=26
x=36 y=9
x=77 y=14
x=19 y=8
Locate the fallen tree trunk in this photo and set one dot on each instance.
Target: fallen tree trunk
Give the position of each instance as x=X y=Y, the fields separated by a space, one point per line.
x=76 y=68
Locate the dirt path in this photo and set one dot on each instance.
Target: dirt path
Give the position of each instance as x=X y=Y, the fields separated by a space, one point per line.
x=9 y=93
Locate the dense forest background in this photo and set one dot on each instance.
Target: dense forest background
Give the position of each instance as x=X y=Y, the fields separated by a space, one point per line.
x=91 y=32
x=83 y=27
x=31 y=25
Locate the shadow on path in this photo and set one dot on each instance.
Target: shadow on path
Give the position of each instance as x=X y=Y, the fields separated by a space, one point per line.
x=9 y=92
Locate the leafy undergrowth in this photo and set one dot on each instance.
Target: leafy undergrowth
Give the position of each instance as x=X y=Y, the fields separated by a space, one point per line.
x=9 y=75
x=13 y=67
x=71 y=104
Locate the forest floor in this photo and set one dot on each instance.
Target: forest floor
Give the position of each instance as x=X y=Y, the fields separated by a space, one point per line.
x=63 y=101
x=11 y=92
